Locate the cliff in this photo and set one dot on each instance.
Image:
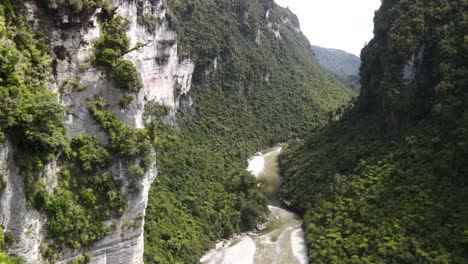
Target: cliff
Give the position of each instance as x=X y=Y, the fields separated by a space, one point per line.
x=387 y=183
x=99 y=97
x=417 y=50
x=77 y=81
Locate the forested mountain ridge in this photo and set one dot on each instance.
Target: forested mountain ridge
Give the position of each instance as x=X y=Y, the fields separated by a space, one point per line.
x=98 y=97
x=255 y=83
x=342 y=64
x=388 y=183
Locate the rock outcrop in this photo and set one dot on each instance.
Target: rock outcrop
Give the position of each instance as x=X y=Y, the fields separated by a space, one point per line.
x=165 y=83
x=16 y=216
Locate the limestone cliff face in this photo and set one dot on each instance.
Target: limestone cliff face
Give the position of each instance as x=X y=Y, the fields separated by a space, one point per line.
x=15 y=215
x=165 y=83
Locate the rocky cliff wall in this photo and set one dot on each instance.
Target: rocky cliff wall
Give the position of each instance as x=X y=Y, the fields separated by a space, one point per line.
x=164 y=83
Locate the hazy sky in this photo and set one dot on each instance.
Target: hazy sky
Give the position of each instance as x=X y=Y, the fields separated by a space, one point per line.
x=341 y=24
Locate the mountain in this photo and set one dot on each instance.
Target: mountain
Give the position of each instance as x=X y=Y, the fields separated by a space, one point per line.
x=125 y=124
x=255 y=84
x=387 y=183
x=342 y=64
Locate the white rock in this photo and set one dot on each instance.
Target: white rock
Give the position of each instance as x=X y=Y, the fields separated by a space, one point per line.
x=256 y=165
x=16 y=217
x=242 y=252
x=299 y=246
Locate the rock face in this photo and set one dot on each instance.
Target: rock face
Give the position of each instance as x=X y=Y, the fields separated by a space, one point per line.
x=413 y=67
x=16 y=216
x=165 y=83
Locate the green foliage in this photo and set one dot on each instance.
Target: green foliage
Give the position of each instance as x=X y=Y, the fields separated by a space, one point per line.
x=126 y=75
x=254 y=86
x=86 y=258
x=125 y=140
x=145 y=17
x=6 y=239
x=134 y=146
x=74 y=7
x=2 y=238
x=113 y=42
x=428 y=34
x=149 y=21
x=29 y=113
x=5 y=259
x=371 y=198
x=90 y=156
x=202 y=193
x=111 y=46
x=388 y=184
x=155 y=110
x=259 y=94
x=126 y=100
x=84 y=198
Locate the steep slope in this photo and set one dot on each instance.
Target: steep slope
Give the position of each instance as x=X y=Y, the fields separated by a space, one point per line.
x=93 y=91
x=76 y=158
x=255 y=83
x=387 y=183
x=342 y=64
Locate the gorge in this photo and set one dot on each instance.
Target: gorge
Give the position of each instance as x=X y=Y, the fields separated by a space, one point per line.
x=126 y=126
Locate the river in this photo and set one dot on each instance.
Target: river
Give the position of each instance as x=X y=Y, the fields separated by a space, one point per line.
x=282 y=241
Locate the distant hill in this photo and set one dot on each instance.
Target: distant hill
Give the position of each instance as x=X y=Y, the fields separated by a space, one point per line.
x=339 y=62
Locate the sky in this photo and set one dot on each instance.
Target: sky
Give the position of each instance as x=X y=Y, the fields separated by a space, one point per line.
x=339 y=24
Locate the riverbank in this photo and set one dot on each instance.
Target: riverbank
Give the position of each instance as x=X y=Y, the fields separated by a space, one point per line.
x=282 y=241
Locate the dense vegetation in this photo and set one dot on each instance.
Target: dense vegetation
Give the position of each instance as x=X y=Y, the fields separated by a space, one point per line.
x=388 y=183
x=201 y=194
x=250 y=89
x=111 y=46
x=255 y=84
x=29 y=114
x=344 y=65
x=86 y=194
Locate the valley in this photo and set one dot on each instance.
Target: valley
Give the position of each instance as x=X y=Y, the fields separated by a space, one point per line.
x=128 y=133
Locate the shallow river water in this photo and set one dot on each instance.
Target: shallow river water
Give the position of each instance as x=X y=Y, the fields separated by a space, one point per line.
x=282 y=242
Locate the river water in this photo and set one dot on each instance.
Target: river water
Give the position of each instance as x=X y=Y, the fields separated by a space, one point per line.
x=282 y=242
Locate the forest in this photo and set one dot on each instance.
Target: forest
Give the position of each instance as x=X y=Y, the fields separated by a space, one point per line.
x=261 y=92
x=388 y=182
x=202 y=192
x=381 y=178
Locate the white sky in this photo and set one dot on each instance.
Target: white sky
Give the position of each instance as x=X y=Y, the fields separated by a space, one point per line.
x=340 y=24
